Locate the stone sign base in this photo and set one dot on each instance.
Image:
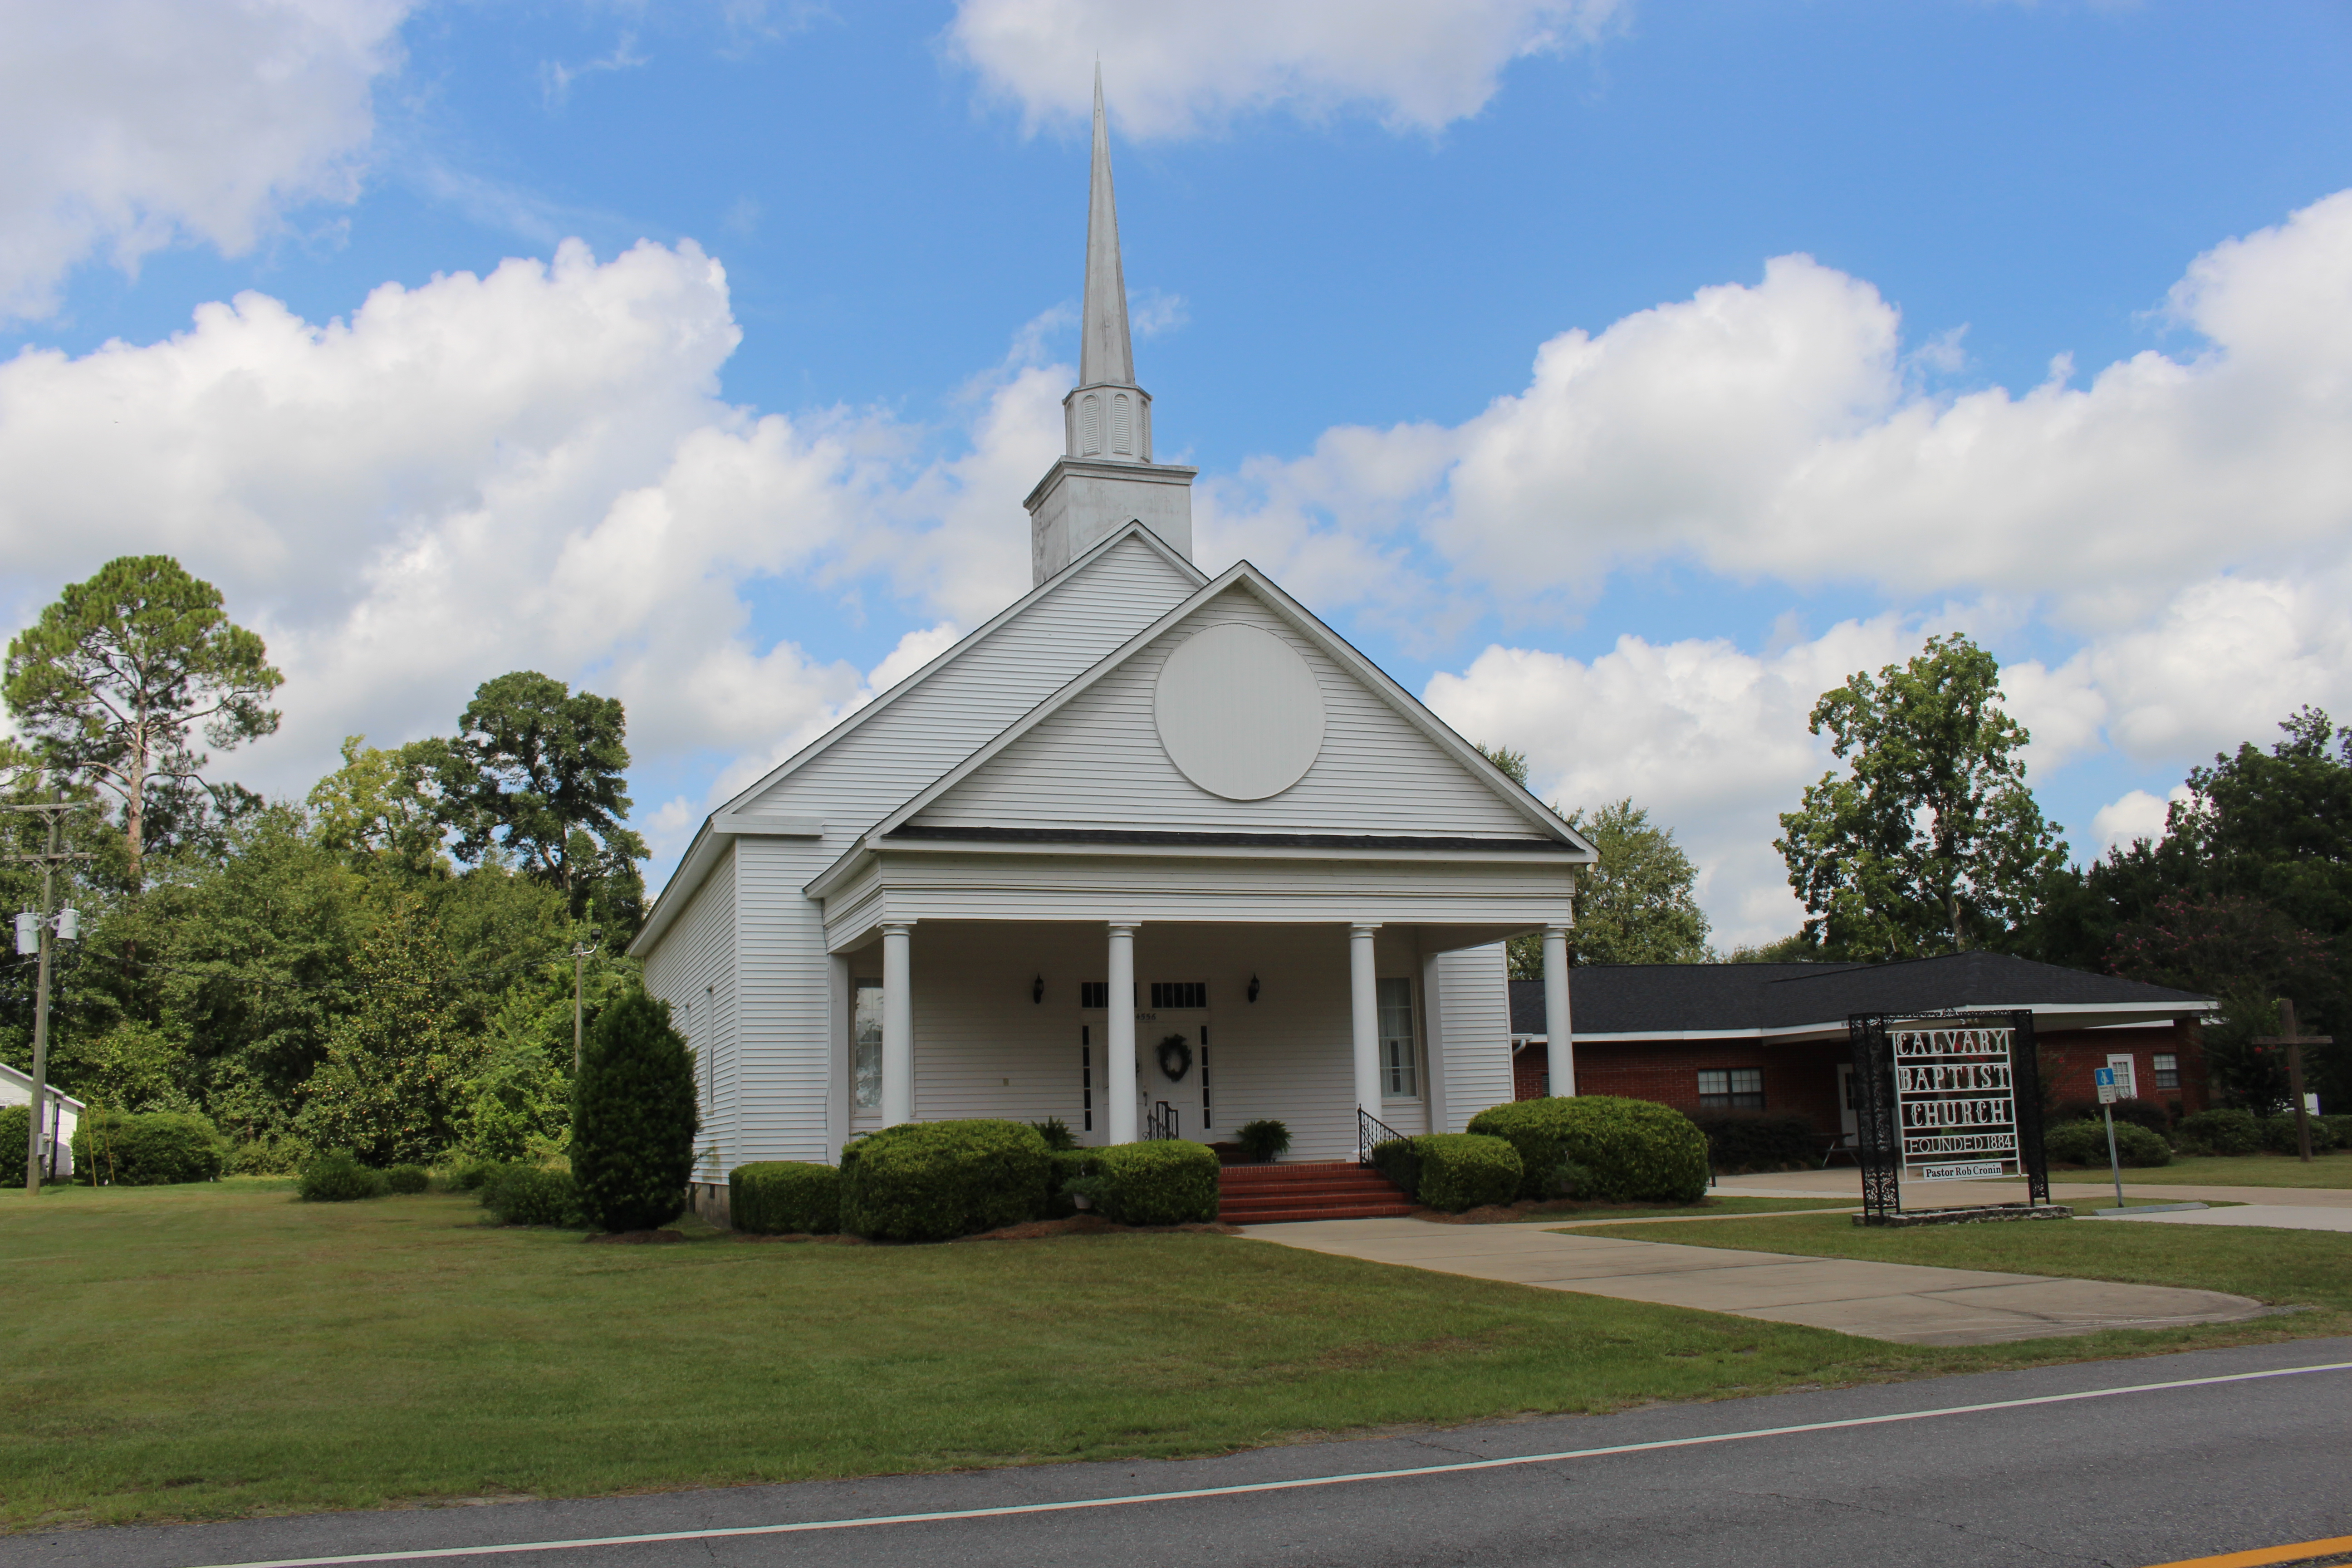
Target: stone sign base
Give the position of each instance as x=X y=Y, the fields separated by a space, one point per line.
x=1970 y=1215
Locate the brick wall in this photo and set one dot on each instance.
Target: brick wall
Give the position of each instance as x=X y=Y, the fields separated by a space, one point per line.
x=1803 y=1078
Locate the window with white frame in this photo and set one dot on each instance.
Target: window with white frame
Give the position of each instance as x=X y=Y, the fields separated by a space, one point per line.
x=865 y=1047
x=1731 y=1089
x=1399 y=1067
x=2168 y=1069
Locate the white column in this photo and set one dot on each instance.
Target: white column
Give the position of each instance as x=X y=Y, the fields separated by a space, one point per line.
x=1118 y=1049
x=1559 y=1047
x=898 y=1025
x=1364 y=1008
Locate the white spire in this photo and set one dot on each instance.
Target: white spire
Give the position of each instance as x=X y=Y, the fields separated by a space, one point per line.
x=1107 y=356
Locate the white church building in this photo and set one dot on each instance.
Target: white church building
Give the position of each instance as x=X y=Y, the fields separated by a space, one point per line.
x=1154 y=852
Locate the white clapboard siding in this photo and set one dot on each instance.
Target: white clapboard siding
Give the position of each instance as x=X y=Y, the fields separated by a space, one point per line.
x=694 y=971
x=785 y=1010
x=965 y=703
x=1099 y=762
x=1474 y=1004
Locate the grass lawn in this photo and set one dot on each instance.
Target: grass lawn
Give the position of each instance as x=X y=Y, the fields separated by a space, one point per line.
x=2285 y=1268
x=2333 y=1169
x=208 y=1352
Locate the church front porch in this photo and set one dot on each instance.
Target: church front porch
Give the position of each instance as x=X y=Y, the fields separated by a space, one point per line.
x=1226 y=1022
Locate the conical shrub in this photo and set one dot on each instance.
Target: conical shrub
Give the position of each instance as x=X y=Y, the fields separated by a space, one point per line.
x=633 y=1117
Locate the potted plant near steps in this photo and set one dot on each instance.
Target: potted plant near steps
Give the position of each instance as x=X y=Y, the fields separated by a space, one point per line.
x=1264 y=1141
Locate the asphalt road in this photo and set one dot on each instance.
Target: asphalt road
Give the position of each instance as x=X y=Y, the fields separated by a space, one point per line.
x=2127 y=1480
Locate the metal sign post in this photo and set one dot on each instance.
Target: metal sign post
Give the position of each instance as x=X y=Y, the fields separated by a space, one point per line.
x=1946 y=1097
x=2111 y=1090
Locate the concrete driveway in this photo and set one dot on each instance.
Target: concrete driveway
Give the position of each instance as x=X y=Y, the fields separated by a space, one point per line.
x=1904 y=1302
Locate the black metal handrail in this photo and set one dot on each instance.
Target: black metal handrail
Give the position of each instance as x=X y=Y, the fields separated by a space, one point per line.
x=1162 y=1121
x=1370 y=1133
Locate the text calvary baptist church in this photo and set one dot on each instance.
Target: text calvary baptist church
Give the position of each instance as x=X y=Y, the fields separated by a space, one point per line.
x=1149 y=851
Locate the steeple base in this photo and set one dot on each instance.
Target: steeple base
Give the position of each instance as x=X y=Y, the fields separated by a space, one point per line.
x=1080 y=499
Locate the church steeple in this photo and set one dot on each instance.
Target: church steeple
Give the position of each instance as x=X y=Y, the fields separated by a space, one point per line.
x=1106 y=478
x=1107 y=356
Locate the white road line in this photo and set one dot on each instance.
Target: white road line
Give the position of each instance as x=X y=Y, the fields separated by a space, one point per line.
x=1245 y=1489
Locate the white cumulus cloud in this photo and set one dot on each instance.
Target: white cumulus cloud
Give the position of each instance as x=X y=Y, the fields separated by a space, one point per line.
x=1178 y=70
x=132 y=124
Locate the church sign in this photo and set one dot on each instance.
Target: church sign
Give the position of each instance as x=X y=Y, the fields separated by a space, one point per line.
x=1946 y=1097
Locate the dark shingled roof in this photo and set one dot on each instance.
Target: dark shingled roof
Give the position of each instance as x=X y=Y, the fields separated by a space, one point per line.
x=1671 y=998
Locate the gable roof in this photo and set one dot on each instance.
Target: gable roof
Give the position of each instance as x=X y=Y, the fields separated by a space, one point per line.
x=1248 y=578
x=1672 y=1001
x=703 y=850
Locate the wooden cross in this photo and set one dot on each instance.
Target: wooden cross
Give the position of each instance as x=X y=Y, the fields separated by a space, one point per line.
x=2294 y=1041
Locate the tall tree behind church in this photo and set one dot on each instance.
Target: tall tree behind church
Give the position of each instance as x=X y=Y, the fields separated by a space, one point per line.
x=537 y=773
x=1931 y=842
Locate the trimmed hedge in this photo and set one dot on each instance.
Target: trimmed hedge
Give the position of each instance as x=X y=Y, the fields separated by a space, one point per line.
x=2220 y=1132
x=2278 y=1135
x=784 y=1197
x=2086 y=1144
x=15 y=1139
x=1166 y=1181
x=1630 y=1151
x=1398 y=1162
x=154 y=1149
x=407 y=1179
x=338 y=1177
x=2145 y=1113
x=533 y=1194
x=1464 y=1170
x=1756 y=1141
x=634 y=1116
x=932 y=1181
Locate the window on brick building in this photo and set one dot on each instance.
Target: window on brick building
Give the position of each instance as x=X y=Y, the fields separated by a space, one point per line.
x=2168 y=1069
x=1731 y=1089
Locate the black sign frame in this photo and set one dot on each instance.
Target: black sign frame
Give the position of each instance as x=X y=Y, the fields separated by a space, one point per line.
x=1878 y=1131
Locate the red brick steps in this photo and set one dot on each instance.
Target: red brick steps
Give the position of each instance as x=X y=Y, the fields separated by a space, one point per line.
x=1272 y=1194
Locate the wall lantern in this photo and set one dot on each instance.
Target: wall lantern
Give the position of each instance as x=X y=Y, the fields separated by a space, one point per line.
x=1253 y=988
x=1037 y=990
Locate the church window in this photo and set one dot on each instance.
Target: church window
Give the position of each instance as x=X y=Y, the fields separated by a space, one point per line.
x=866 y=1045
x=2168 y=1069
x=1093 y=992
x=1089 y=425
x=1400 y=1074
x=1180 y=993
x=1731 y=1089
x=1122 y=425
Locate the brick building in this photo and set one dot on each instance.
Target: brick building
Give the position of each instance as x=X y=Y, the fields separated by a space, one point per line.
x=1772 y=1036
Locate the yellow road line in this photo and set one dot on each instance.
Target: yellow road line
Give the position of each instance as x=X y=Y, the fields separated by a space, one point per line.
x=2302 y=1552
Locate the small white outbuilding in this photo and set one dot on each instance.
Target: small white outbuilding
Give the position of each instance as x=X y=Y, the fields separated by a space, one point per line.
x=64 y=1114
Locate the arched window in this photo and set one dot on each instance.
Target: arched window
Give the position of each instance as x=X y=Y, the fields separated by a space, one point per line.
x=1089 y=425
x=1122 y=425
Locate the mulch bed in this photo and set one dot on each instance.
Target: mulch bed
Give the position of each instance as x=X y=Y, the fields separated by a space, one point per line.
x=1034 y=1230
x=1501 y=1213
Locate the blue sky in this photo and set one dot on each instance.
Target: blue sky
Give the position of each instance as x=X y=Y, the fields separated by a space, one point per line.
x=1366 y=217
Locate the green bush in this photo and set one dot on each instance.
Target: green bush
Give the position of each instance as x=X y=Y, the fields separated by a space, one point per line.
x=930 y=1181
x=16 y=1137
x=338 y=1177
x=2278 y=1135
x=1399 y=1161
x=2220 y=1132
x=1166 y=1181
x=1753 y=1140
x=633 y=1117
x=1263 y=1141
x=1066 y=1166
x=156 y=1148
x=784 y=1197
x=467 y=1173
x=533 y=1195
x=407 y=1179
x=1057 y=1133
x=2086 y=1144
x=1630 y=1151
x=1463 y=1170
x=2339 y=1128
x=2145 y=1113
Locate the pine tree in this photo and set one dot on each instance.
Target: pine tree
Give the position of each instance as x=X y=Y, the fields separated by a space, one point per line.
x=633 y=1117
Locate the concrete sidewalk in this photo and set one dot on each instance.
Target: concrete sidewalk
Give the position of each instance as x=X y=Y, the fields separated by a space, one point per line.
x=1907 y=1303
x=2273 y=1216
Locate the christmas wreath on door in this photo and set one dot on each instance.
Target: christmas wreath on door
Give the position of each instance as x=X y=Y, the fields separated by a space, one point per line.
x=1175 y=1057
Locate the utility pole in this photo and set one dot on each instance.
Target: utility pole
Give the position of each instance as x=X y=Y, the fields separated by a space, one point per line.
x=42 y=921
x=2294 y=1040
x=581 y=953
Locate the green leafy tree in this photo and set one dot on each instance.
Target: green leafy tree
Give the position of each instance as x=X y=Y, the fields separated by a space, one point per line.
x=384 y=807
x=113 y=682
x=633 y=1117
x=1513 y=763
x=1635 y=904
x=538 y=774
x=394 y=1074
x=1931 y=842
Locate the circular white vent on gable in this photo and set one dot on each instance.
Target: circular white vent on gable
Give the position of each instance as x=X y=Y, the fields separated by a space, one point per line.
x=1239 y=711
